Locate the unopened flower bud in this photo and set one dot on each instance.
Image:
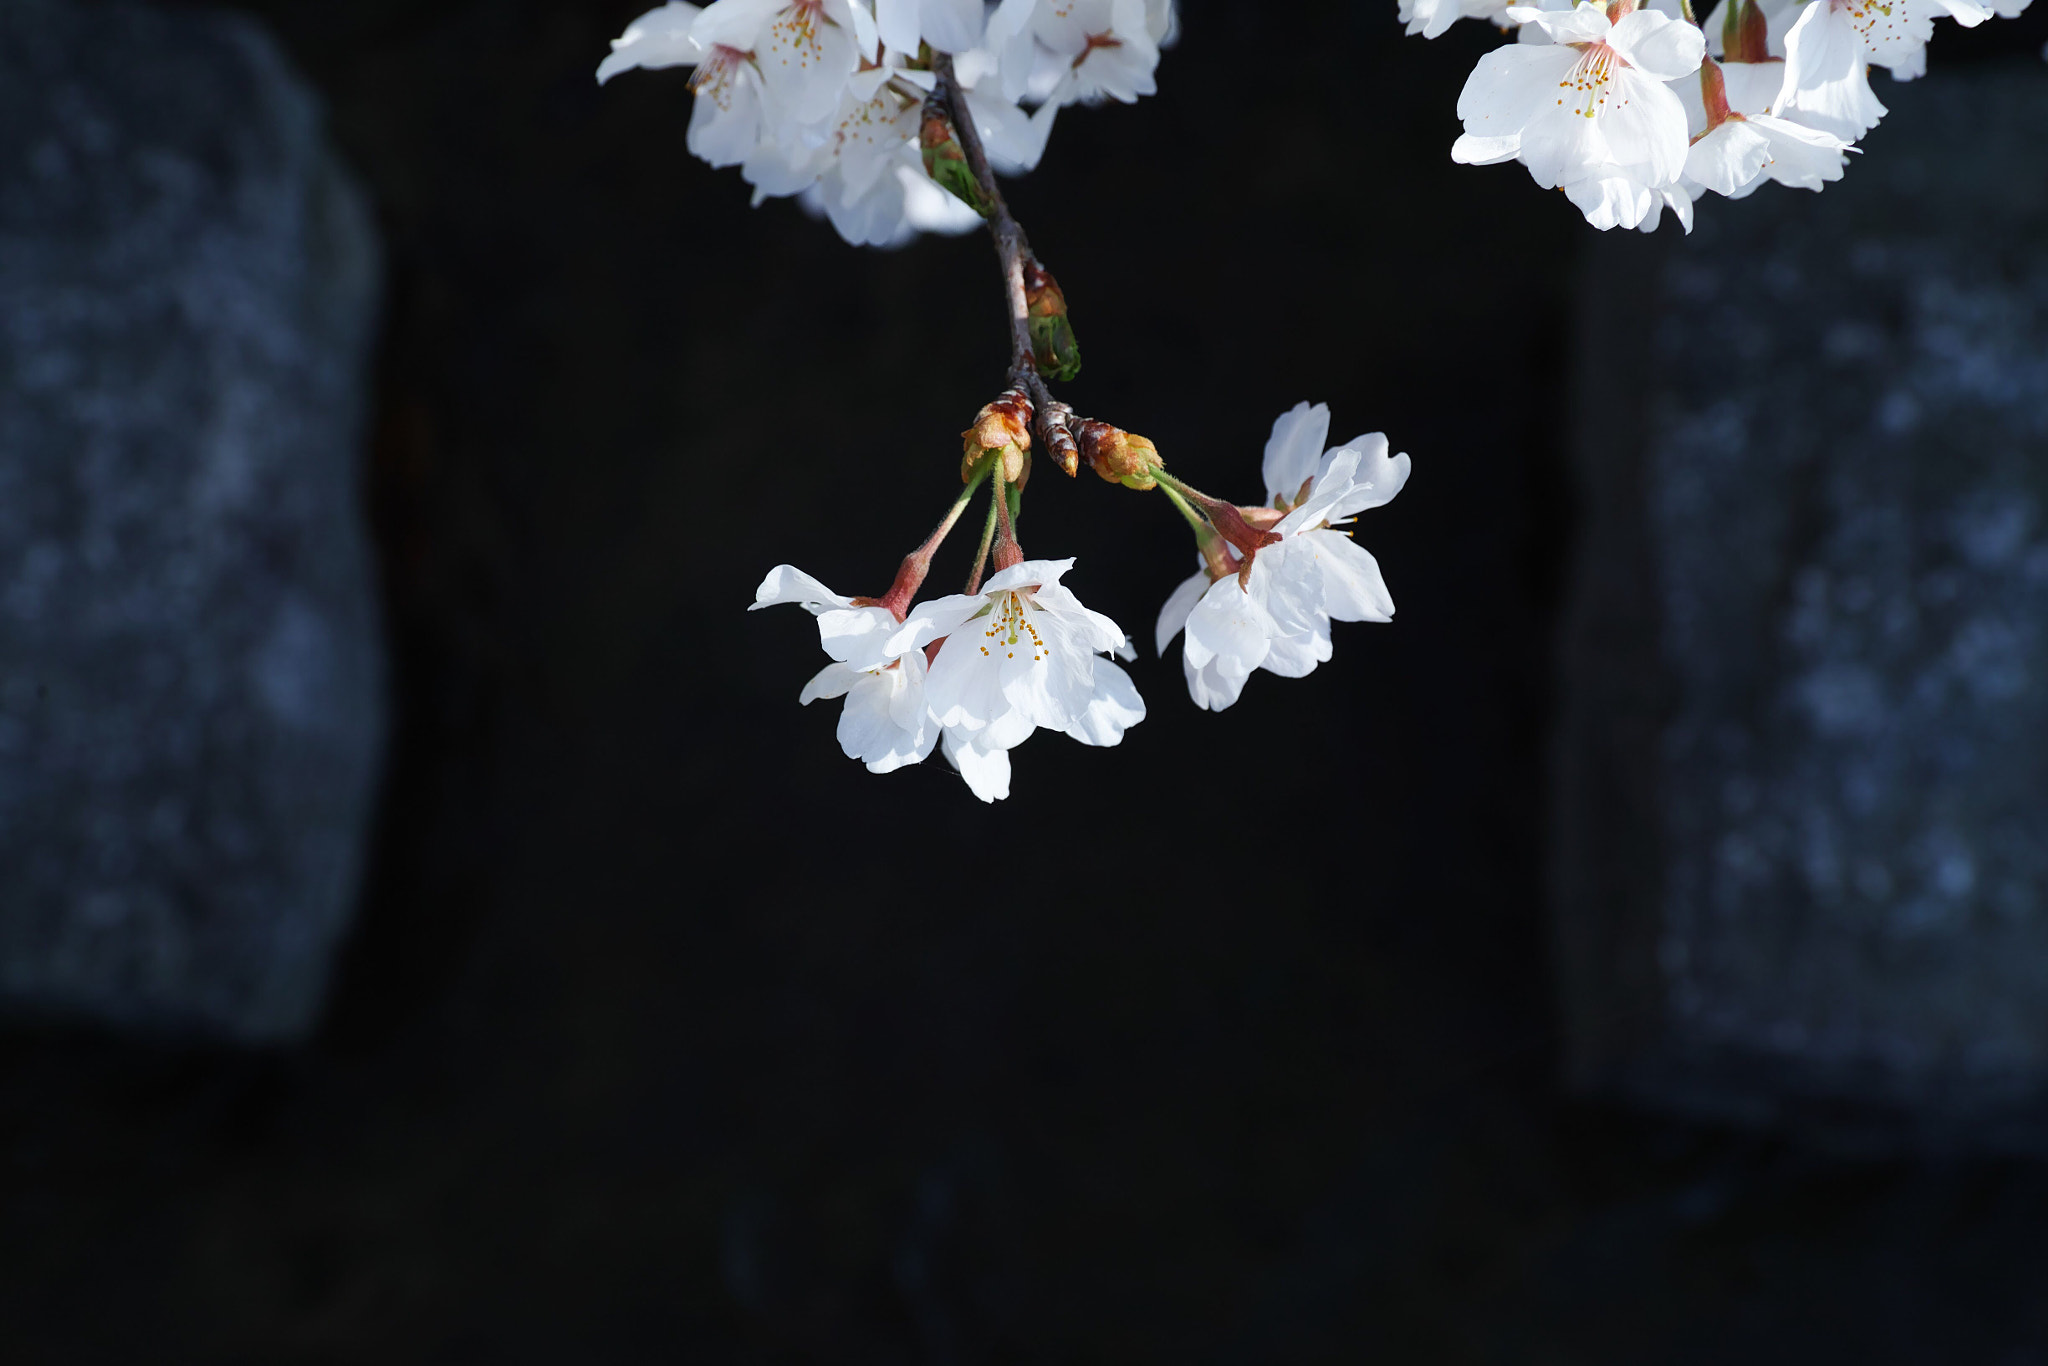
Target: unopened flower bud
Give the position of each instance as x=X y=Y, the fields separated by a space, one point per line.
x=1053 y=345
x=944 y=159
x=1058 y=439
x=1002 y=429
x=1119 y=456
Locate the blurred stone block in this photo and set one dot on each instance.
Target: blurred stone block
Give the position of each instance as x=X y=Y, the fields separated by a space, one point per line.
x=1801 y=850
x=191 y=712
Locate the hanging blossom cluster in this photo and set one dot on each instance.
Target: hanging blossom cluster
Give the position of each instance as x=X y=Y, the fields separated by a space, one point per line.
x=824 y=99
x=895 y=119
x=1633 y=109
x=980 y=672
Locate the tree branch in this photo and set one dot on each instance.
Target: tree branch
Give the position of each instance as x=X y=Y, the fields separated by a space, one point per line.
x=1012 y=250
x=1011 y=244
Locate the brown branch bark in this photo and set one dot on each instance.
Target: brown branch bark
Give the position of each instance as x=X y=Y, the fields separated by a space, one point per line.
x=1012 y=249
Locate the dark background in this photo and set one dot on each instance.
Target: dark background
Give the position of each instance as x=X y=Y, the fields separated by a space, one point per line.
x=668 y=1034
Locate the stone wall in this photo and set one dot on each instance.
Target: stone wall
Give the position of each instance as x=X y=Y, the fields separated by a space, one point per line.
x=1802 y=845
x=191 y=709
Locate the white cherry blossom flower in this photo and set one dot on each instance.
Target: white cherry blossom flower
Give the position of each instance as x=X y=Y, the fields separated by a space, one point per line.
x=1588 y=111
x=1738 y=143
x=657 y=39
x=1278 y=618
x=885 y=723
x=805 y=50
x=1433 y=18
x=1021 y=654
x=726 y=118
x=1063 y=51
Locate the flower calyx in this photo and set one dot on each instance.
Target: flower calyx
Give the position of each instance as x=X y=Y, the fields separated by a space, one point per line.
x=1053 y=345
x=1116 y=455
x=1002 y=430
x=1247 y=540
x=1714 y=95
x=1745 y=33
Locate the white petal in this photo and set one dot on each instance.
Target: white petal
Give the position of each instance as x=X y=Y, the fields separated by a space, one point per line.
x=1658 y=46
x=658 y=38
x=733 y=23
x=1174 y=615
x=786 y=583
x=897 y=23
x=1028 y=572
x=1645 y=127
x=1231 y=624
x=834 y=680
x=1332 y=484
x=1751 y=87
x=1216 y=684
x=1296 y=656
x=952 y=25
x=1804 y=158
x=1508 y=87
x=725 y=120
x=1114 y=708
x=1583 y=23
x=1730 y=158
x=1353 y=589
x=867 y=731
x=964 y=688
x=1377 y=479
x=1827 y=81
x=934 y=620
x=1507 y=83
x=1471 y=151
x=1612 y=201
x=858 y=636
x=1293 y=449
x=987 y=771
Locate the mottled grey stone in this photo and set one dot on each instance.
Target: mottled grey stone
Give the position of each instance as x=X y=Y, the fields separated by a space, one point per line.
x=1802 y=839
x=190 y=676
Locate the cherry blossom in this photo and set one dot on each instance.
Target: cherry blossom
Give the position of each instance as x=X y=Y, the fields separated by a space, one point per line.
x=1276 y=614
x=1020 y=654
x=1588 y=111
x=1433 y=18
x=1063 y=51
x=884 y=722
x=1738 y=143
x=819 y=98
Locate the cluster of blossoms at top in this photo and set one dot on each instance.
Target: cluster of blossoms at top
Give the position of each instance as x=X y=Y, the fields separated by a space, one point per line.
x=1633 y=109
x=822 y=98
x=978 y=673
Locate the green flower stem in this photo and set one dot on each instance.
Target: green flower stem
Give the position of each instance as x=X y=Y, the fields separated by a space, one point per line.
x=1008 y=552
x=988 y=538
x=911 y=573
x=1194 y=518
x=1183 y=488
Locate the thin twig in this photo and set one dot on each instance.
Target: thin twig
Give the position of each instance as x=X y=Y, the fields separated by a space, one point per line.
x=1011 y=245
x=1012 y=249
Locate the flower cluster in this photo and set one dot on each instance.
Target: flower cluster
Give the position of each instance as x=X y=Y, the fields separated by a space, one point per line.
x=1633 y=109
x=894 y=116
x=978 y=673
x=823 y=99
